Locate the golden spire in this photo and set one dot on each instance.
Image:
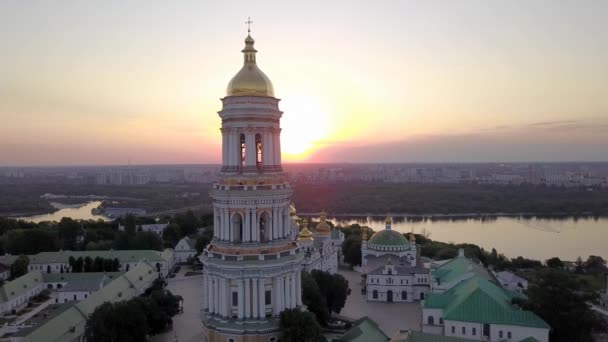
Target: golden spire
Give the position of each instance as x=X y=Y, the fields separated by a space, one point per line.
x=412 y=236
x=363 y=235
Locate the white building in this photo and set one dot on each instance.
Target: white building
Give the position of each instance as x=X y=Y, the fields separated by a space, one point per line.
x=512 y=281
x=320 y=253
x=69 y=324
x=156 y=228
x=15 y=294
x=56 y=262
x=467 y=303
x=397 y=283
x=185 y=250
x=384 y=243
x=391 y=267
x=251 y=268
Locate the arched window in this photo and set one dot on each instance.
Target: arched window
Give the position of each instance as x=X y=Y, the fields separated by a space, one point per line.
x=403 y=295
x=237 y=228
x=258 y=151
x=265 y=228
x=243 y=152
x=431 y=320
x=375 y=294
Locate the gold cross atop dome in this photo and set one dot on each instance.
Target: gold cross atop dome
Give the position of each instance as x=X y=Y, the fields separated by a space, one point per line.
x=249 y=22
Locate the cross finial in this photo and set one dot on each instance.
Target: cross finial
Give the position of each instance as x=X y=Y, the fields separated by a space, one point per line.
x=249 y=22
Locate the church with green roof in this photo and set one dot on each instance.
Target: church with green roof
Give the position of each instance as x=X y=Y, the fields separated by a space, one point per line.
x=467 y=302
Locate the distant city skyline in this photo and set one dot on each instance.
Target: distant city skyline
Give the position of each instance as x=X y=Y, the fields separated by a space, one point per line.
x=474 y=81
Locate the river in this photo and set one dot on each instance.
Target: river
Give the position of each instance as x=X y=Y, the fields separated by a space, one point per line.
x=75 y=211
x=532 y=238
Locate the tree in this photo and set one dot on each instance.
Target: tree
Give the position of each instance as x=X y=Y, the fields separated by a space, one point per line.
x=69 y=230
x=78 y=265
x=130 y=224
x=120 y=322
x=172 y=233
x=203 y=240
x=314 y=299
x=555 y=262
x=351 y=249
x=147 y=240
x=299 y=326
x=595 y=265
x=334 y=287
x=19 y=267
x=557 y=297
x=88 y=264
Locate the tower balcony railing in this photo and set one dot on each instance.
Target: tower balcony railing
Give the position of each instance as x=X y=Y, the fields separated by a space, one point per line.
x=263 y=252
x=258 y=187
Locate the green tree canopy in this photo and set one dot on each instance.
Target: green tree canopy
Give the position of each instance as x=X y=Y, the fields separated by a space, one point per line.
x=555 y=262
x=314 y=299
x=334 y=287
x=120 y=322
x=299 y=326
x=19 y=267
x=558 y=298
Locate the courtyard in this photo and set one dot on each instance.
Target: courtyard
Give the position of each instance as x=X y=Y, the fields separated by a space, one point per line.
x=391 y=317
x=187 y=326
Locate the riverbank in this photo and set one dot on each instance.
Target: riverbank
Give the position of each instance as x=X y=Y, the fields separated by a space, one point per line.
x=464 y=216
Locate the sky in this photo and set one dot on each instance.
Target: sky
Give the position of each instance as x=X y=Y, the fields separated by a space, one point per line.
x=111 y=82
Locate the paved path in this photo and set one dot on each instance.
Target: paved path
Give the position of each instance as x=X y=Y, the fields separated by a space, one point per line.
x=391 y=317
x=187 y=326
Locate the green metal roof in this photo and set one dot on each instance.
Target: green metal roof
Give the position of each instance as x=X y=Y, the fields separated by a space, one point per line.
x=70 y=324
x=15 y=288
x=121 y=255
x=479 y=300
x=364 y=330
x=529 y=339
x=388 y=237
x=457 y=267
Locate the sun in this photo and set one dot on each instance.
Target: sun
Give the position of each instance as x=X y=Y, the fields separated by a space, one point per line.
x=305 y=124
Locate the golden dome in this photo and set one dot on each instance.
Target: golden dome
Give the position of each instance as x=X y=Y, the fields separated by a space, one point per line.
x=305 y=235
x=323 y=227
x=388 y=220
x=292 y=209
x=250 y=80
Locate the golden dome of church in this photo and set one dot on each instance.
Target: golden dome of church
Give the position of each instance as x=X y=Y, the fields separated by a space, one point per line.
x=323 y=227
x=250 y=80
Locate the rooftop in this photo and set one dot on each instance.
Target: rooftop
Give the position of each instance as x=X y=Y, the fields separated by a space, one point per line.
x=478 y=299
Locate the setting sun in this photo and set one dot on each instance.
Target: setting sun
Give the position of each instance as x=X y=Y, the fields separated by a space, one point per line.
x=304 y=124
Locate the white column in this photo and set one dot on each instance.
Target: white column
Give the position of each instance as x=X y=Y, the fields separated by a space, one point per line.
x=228 y=224
x=247 y=298
x=246 y=223
x=224 y=148
x=273 y=226
x=204 y=284
x=294 y=294
x=235 y=149
x=210 y=294
x=281 y=293
x=250 y=149
x=216 y=294
x=241 y=302
x=255 y=225
x=255 y=310
x=298 y=288
x=261 y=299
x=285 y=282
x=275 y=295
x=222 y=289
x=277 y=148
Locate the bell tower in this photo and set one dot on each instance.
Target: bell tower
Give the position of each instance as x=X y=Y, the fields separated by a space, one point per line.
x=251 y=268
